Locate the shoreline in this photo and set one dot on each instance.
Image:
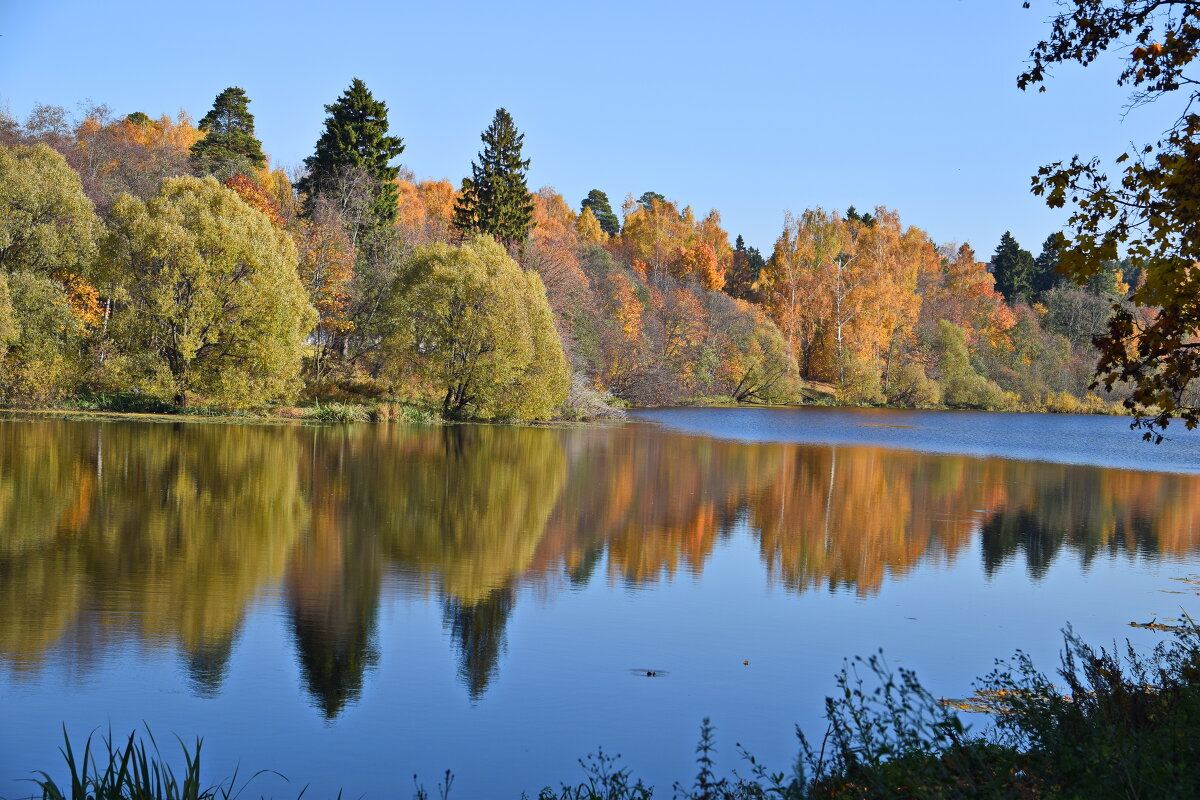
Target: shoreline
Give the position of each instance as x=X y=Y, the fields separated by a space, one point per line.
x=296 y=415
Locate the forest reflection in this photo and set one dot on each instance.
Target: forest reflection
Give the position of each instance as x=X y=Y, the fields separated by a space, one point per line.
x=165 y=534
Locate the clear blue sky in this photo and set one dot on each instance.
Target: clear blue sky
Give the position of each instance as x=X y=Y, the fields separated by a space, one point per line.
x=753 y=109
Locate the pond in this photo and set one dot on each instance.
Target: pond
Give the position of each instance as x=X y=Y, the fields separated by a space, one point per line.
x=352 y=605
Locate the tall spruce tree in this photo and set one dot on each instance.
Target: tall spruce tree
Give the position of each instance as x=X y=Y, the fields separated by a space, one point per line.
x=1013 y=270
x=229 y=145
x=355 y=136
x=495 y=199
x=1045 y=266
x=597 y=201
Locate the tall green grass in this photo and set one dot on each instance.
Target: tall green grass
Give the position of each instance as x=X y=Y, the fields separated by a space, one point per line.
x=378 y=412
x=134 y=772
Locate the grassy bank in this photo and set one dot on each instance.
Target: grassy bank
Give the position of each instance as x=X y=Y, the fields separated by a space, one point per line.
x=317 y=413
x=1108 y=724
x=340 y=402
x=370 y=412
x=583 y=403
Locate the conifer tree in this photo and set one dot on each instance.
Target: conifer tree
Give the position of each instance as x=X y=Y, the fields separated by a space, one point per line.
x=743 y=272
x=866 y=219
x=648 y=199
x=495 y=199
x=598 y=202
x=1013 y=269
x=1045 y=266
x=229 y=145
x=355 y=136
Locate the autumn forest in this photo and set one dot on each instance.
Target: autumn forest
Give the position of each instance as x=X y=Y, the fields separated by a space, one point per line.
x=157 y=264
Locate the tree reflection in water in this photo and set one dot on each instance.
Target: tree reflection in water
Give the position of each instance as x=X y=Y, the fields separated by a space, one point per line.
x=166 y=534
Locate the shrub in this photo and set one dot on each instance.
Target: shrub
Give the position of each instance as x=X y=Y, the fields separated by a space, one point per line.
x=863 y=382
x=123 y=403
x=911 y=387
x=337 y=412
x=585 y=401
x=962 y=386
x=399 y=412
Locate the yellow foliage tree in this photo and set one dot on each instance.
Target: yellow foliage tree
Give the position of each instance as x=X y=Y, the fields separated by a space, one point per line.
x=796 y=282
x=8 y=320
x=588 y=229
x=653 y=233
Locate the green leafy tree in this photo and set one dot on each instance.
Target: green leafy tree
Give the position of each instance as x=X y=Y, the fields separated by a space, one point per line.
x=210 y=300
x=478 y=333
x=495 y=200
x=601 y=208
x=356 y=139
x=8 y=317
x=1150 y=211
x=42 y=361
x=862 y=382
x=47 y=224
x=962 y=386
x=229 y=145
x=1013 y=269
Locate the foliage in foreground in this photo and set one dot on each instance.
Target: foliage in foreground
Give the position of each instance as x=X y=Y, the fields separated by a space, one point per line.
x=133 y=772
x=1120 y=725
x=1147 y=210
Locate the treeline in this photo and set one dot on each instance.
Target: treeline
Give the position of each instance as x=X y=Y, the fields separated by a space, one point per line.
x=157 y=264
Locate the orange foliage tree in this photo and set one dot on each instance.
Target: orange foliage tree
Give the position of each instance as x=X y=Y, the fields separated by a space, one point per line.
x=699 y=262
x=253 y=195
x=425 y=209
x=552 y=251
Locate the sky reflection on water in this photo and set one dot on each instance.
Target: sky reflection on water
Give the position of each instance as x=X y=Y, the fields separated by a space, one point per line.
x=351 y=605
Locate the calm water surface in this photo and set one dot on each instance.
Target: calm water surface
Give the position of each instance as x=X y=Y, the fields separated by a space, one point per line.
x=350 y=605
